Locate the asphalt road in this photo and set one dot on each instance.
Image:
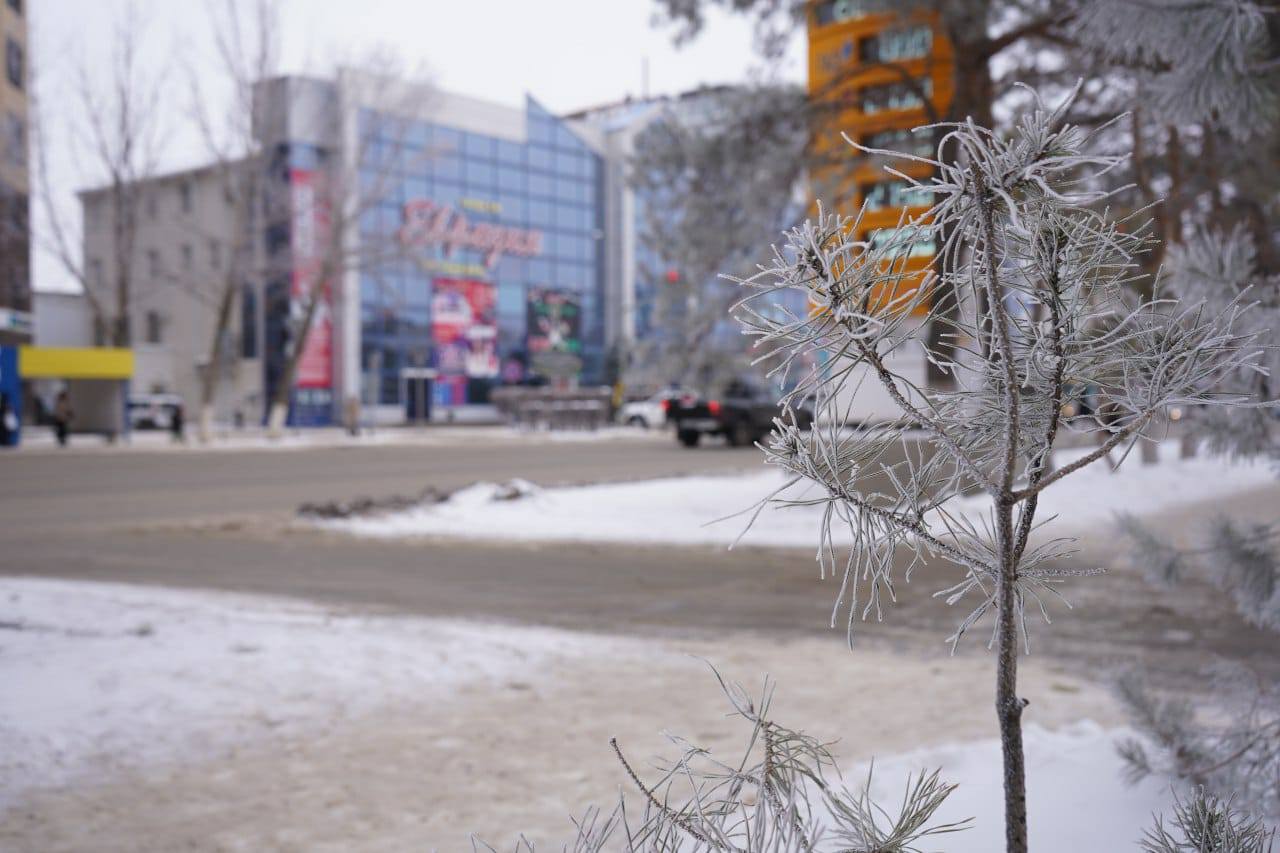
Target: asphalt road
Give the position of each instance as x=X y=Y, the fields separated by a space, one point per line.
x=61 y=491
x=217 y=520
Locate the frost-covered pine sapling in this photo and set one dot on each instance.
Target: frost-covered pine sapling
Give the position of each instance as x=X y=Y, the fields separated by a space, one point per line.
x=1037 y=269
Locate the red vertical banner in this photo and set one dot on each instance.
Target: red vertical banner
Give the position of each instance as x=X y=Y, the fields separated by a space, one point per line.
x=309 y=239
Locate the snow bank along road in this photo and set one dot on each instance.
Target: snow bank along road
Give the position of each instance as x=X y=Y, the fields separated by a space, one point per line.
x=693 y=510
x=151 y=719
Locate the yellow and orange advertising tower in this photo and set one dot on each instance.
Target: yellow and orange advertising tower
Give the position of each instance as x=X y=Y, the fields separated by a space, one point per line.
x=873 y=76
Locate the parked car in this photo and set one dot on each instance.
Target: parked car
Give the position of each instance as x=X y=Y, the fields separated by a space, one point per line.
x=650 y=412
x=152 y=411
x=743 y=414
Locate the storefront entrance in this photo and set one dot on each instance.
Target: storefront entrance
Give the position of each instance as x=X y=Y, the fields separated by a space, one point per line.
x=415 y=390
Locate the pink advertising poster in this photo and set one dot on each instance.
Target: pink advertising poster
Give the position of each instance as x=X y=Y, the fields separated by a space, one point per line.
x=310 y=233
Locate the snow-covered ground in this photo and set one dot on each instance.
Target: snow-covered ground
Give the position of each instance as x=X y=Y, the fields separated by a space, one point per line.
x=685 y=510
x=97 y=673
x=102 y=680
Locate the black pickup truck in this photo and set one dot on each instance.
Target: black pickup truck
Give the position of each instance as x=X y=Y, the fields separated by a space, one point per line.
x=743 y=414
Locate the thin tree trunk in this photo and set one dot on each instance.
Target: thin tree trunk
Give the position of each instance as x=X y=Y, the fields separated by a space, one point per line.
x=212 y=374
x=1008 y=705
x=279 y=410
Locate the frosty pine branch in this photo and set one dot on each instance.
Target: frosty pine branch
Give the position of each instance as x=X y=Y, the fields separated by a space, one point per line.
x=1032 y=291
x=1031 y=288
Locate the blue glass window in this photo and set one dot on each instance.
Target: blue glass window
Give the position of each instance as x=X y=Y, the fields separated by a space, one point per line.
x=447 y=166
x=566 y=190
x=418 y=134
x=511 y=301
x=474 y=145
x=510 y=152
x=540 y=158
x=510 y=269
x=568 y=163
x=540 y=214
x=514 y=209
x=447 y=193
x=541 y=128
x=417 y=186
x=539 y=272
x=510 y=178
x=480 y=174
x=447 y=141
x=417 y=290
x=539 y=185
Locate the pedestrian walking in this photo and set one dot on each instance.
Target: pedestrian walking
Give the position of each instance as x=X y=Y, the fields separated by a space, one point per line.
x=62 y=415
x=8 y=422
x=177 y=423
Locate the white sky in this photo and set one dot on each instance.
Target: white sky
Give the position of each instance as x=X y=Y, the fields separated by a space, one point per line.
x=567 y=53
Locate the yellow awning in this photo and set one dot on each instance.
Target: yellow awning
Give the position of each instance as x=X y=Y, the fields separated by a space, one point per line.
x=75 y=363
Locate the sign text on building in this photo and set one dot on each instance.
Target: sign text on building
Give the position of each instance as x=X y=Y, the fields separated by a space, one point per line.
x=429 y=224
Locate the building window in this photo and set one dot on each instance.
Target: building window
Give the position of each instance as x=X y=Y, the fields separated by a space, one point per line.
x=896 y=45
x=16 y=5
x=15 y=140
x=186 y=257
x=95 y=274
x=13 y=64
x=184 y=196
x=215 y=255
x=151 y=205
x=153 y=263
x=155 y=328
x=894 y=96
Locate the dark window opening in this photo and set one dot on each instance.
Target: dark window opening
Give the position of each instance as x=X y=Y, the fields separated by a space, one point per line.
x=155 y=327
x=13 y=64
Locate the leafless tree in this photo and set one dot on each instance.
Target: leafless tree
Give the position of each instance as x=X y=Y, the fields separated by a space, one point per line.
x=117 y=136
x=247 y=52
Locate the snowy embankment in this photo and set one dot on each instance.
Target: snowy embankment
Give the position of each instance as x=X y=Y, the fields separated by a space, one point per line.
x=106 y=679
x=693 y=510
x=97 y=673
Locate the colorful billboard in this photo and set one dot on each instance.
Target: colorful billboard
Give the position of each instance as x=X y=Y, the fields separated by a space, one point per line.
x=464 y=330
x=554 y=332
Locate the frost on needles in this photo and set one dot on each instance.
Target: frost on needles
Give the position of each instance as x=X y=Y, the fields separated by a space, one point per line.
x=1031 y=289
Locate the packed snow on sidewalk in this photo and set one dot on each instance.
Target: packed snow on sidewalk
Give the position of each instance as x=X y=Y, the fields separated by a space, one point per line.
x=710 y=509
x=104 y=678
x=105 y=674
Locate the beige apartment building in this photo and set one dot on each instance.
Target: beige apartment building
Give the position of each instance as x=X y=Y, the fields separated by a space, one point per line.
x=15 y=233
x=185 y=234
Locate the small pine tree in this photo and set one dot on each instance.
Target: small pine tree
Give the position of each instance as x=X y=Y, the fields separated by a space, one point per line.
x=1037 y=272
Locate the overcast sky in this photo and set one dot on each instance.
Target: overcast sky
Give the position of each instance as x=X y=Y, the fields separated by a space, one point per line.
x=567 y=53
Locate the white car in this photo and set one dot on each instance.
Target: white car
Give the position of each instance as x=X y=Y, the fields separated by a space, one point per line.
x=152 y=411
x=648 y=413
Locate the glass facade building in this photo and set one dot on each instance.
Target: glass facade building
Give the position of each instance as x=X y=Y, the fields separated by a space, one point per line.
x=501 y=257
